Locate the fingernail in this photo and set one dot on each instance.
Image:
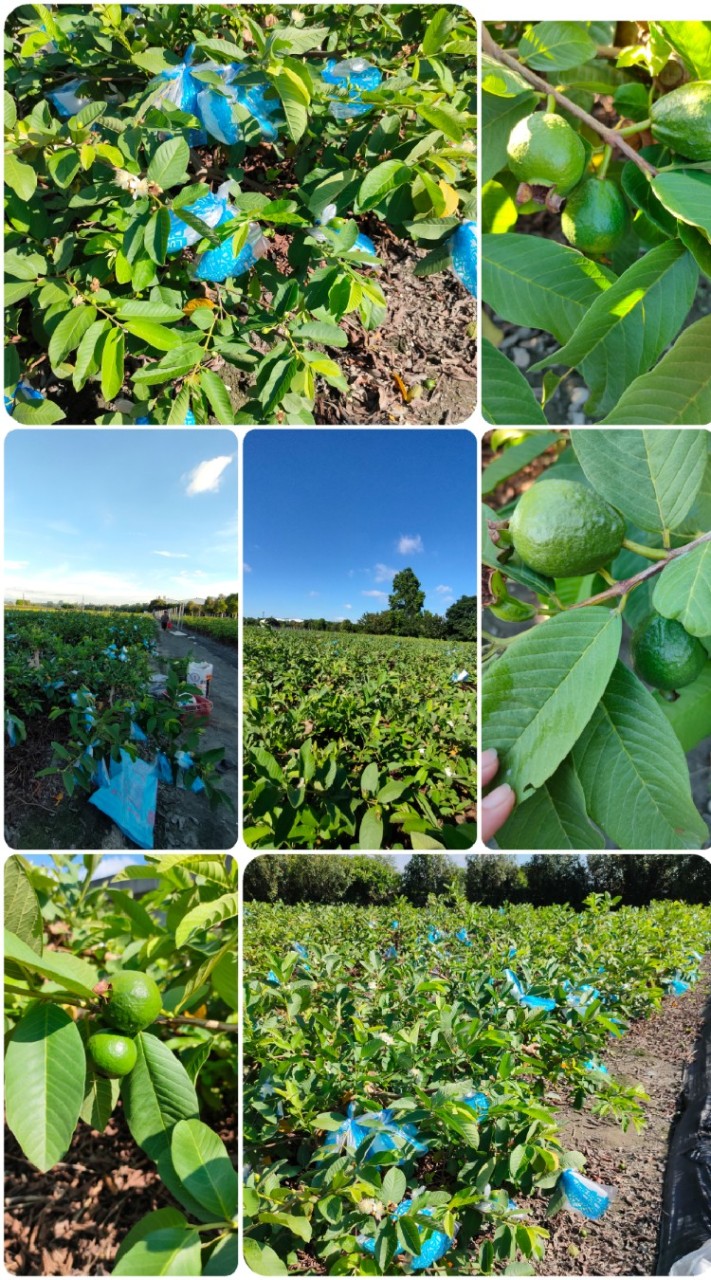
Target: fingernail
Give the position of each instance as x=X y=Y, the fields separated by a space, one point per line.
x=490 y=756
x=499 y=797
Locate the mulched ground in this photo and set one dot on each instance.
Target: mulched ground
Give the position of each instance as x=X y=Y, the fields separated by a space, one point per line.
x=624 y=1242
x=428 y=334
x=71 y=1220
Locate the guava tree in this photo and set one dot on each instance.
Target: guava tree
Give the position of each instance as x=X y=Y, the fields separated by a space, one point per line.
x=182 y=188
x=596 y=218
x=604 y=564
x=89 y=1029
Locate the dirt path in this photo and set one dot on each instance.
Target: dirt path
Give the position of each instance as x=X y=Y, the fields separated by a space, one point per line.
x=183 y=819
x=624 y=1242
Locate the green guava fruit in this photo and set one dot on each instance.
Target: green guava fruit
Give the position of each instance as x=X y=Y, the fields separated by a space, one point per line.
x=682 y=120
x=595 y=217
x=544 y=151
x=112 y=1055
x=134 y=1001
x=665 y=655
x=562 y=529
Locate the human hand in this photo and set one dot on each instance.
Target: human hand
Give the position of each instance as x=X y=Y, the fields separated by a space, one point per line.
x=497 y=806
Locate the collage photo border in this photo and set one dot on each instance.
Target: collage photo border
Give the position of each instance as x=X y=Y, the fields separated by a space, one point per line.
x=474 y=426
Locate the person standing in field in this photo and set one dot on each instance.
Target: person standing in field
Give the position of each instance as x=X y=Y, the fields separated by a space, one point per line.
x=164 y=620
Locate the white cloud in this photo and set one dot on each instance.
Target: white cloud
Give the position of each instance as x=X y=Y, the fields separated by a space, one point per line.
x=444 y=591
x=376 y=595
x=206 y=477
x=348 y=606
x=173 y=555
x=247 y=567
x=383 y=573
x=314 y=594
x=97 y=586
x=15 y=564
x=409 y=543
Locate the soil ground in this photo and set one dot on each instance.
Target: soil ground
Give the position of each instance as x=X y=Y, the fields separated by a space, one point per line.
x=427 y=337
x=71 y=1220
x=39 y=816
x=428 y=333
x=624 y=1242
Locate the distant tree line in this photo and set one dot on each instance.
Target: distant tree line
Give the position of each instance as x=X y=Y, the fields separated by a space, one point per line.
x=405 y=616
x=492 y=879
x=213 y=606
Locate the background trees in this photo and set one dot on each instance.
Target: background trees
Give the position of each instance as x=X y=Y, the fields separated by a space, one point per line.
x=491 y=879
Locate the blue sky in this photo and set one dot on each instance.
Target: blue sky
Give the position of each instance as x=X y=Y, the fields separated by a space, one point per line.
x=331 y=516
x=120 y=516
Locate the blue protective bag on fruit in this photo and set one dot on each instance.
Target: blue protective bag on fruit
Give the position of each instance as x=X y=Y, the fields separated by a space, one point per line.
x=177 y=85
x=463 y=245
x=214 y=106
x=592 y=1199
x=130 y=799
x=363 y=243
x=356 y=75
x=433 y=1248
x=219 y=263
x=216 y=264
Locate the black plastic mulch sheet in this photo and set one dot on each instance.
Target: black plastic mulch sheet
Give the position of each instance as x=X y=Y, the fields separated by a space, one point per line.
x=686 y=1207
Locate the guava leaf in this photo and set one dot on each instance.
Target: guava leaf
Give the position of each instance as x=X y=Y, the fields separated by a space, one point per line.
x=627 y=327
x=205 y=915
x=553 y=818
x=652 y=477
x=683 y=590
x=201 y=1162
x=634 y=773
x=22 y=910
x=539 y=283
x=677 y=392
x=44 y=1082
x=507 y=397
x=68 y=970
x=540 y=695
x=156 y=1094
x=172 y=1251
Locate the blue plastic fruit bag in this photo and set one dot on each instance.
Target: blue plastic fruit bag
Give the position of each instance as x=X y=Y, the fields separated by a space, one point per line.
x=130 y=799
x=356 y=75
x=591 y=1199
x=215 y=106
x=433 y=1248
x=218 y=264
x=464 y=255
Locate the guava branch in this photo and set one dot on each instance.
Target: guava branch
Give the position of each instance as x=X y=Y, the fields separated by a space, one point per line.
x=229 y=1027
x=62 y=997
x=626 y=585
x=610 y=136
